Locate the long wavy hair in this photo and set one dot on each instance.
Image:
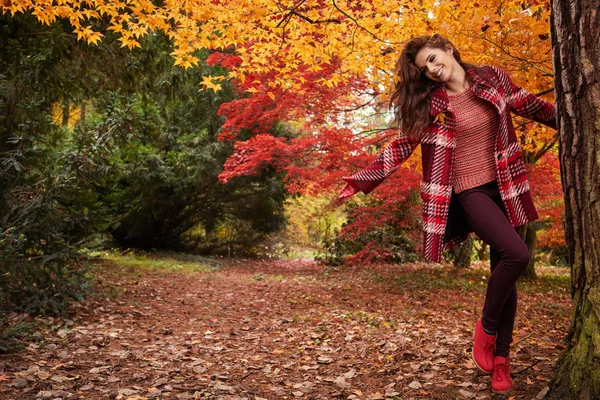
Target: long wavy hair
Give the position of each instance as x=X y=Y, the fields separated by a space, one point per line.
x=410 y=100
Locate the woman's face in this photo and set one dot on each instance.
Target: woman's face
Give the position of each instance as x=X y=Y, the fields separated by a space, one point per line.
x=436 y=64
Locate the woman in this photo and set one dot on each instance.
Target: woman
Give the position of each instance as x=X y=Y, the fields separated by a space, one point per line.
x=474 y=177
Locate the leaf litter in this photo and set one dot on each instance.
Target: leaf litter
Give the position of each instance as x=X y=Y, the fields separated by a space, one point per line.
x=311 y=333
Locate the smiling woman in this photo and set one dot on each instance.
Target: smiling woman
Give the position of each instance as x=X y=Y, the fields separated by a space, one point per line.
x=474 y=177
x=425 y=62
x=440 y=66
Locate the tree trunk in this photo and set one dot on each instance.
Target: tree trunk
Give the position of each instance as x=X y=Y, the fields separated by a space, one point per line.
x=482 y=252
x=65 y=113
x=82 y=113
x=575 y=33
x=462 y=253
x=530 y=233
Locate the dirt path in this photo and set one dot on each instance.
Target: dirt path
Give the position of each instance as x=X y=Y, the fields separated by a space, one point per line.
x=283 y=330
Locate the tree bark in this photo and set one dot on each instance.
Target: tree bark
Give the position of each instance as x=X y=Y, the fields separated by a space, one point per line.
x=65 y=113
x=462 y=253
x=530 y=238
x=576 y=54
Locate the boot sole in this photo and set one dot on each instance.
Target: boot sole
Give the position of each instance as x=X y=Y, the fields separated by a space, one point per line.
x=501 y=392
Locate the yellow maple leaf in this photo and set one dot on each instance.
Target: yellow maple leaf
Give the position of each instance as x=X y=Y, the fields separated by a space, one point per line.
x=186 y=61
x=106 y=10
x=207 y=82
x=129 y=43
x=441 y=118
x=94 y=38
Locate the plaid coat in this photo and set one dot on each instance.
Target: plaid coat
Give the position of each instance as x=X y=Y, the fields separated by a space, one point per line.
x=443 y=225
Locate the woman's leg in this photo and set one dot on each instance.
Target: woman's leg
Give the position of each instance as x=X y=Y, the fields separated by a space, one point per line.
x=488 y=221
x=509 y=311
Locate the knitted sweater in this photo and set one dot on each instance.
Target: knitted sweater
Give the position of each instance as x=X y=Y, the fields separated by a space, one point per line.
x=476 y=127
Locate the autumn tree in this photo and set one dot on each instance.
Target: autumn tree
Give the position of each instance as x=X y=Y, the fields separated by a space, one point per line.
x=288 y=56
x=575 y=32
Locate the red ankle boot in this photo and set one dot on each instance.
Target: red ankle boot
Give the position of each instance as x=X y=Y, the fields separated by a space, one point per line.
x=501 y=380
x=484 y=346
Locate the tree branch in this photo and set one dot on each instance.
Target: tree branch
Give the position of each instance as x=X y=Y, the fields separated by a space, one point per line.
x=293 y=12
x=356 y=22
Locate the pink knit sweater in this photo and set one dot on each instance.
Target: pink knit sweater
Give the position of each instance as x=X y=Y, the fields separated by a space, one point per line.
x=476 y=128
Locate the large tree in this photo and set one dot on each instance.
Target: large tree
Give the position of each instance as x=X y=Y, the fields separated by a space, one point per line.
x=575 y=32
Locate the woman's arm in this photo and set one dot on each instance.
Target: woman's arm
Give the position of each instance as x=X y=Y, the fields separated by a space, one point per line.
x=526 y=104
x=388 y=161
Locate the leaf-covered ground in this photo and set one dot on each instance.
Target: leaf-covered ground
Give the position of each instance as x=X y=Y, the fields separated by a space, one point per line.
x=283 y=329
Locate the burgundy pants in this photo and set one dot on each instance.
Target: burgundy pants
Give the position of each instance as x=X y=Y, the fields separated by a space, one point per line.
x=485 y=215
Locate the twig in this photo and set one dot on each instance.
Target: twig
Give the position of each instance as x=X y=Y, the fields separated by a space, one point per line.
x=356 y=22
x=319 y=21
x=545 y=148
x=293 y=12
x=246 y=375
x=526 y=368
x=190 y=389
x=546 y=91
x=523 y=338
x=508 y=53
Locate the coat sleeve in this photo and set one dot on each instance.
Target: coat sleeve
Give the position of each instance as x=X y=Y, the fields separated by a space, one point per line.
x=388 y=161
x=526 y=104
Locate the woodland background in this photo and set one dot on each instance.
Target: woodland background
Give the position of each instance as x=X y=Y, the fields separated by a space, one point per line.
x=216 y=130
x=112 y=142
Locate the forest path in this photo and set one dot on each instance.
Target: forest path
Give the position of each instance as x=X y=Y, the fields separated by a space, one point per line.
x=285 y=329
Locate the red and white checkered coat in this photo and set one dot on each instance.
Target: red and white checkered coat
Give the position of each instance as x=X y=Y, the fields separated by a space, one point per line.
x=437 y=146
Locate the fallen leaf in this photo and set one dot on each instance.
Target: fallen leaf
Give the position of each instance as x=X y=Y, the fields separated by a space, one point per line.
x=542 y=394
x=469 y=364
x=414 y=385
x=350 y=374
x=58 y=378
x=87 y=386
x=43 y=375
x=128 y=392
x=225 y=388
x=340 y=382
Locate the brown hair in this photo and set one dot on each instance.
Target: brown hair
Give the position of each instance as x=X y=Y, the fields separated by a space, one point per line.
x=410 y=100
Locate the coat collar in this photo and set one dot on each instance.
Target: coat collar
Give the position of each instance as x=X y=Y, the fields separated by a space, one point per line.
x=439 y=97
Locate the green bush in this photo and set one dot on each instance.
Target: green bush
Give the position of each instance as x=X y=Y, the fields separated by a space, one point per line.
x=97 y=139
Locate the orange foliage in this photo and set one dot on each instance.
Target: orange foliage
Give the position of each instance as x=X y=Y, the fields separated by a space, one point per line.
x=548 y=194
x=324 y=67
x=280 y=41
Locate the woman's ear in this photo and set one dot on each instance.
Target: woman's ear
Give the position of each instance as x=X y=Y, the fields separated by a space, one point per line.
x=449 y=50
